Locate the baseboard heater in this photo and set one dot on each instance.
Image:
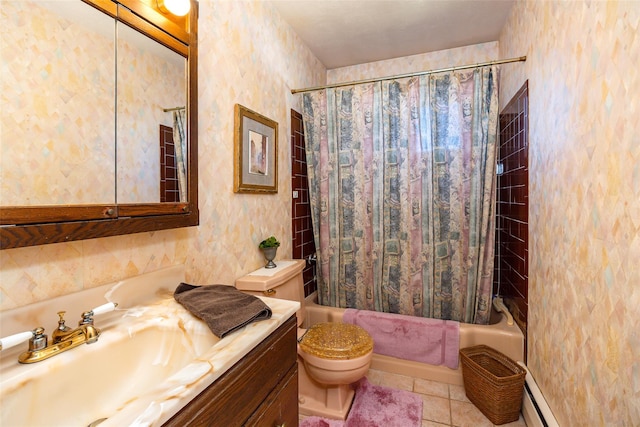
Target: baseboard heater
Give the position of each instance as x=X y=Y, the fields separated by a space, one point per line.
x=535 y=410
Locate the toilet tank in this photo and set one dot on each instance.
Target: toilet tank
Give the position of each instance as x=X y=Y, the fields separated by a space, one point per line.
x=283 y=281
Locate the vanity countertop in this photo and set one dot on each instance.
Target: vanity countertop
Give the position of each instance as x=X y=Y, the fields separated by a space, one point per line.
x=150 y=405
x=161 y=403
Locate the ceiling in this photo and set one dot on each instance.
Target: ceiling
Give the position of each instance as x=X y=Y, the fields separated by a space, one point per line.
x=349 y=32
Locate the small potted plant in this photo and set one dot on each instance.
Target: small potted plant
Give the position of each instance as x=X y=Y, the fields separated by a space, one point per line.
x=269 y=248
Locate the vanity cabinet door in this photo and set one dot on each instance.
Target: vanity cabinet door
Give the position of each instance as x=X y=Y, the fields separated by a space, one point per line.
x=281 y=407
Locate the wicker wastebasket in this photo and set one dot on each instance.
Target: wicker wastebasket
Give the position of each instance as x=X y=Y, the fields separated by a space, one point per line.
x=493 y=382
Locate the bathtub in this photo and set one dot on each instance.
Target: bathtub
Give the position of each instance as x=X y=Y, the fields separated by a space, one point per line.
x=503 y=337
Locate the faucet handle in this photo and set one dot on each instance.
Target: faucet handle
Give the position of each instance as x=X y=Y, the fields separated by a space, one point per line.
x=104 y=308
x=15 y=339
x=61 y=326
x=39 y=340
x=87 y=316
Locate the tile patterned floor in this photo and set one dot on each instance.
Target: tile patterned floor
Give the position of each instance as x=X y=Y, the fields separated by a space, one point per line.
x=443 y=404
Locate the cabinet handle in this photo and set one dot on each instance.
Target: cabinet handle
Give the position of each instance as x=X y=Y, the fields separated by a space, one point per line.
x=281 y=425
x=270 y=293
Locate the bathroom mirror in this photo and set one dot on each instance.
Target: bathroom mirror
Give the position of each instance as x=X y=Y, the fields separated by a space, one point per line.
x=89 y=92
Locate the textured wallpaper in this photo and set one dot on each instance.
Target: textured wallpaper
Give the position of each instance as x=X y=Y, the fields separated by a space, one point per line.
x=415 y=63
x=247 y=55
x=584 y=280
x=54 y=149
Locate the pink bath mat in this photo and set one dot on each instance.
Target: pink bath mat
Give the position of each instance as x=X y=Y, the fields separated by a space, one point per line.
x=376 y=406
x=320 y=422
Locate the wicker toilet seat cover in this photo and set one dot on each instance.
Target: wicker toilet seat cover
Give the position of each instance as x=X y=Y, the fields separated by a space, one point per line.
x=336 y=341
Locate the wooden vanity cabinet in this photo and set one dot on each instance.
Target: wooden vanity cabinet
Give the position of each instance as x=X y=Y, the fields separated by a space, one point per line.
x=260 y=390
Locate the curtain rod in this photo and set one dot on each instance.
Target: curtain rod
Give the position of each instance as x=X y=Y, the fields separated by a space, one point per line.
x=166 y=110
x=419 y=73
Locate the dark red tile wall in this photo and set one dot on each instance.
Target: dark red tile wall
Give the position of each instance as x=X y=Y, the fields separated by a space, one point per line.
x=302 y=238
x=511 y=267
x=169 y=191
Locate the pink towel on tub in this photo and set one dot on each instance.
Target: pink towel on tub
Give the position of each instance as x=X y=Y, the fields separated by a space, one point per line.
x=431 y=341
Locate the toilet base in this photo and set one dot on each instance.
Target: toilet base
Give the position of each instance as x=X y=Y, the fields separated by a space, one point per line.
x=342 y=395
x=325 y=401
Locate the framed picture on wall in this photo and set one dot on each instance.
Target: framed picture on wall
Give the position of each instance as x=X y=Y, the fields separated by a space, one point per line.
x=256 y=152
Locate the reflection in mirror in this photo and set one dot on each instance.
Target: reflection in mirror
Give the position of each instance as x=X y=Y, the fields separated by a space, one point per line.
x=57 y=100
x=151 y=79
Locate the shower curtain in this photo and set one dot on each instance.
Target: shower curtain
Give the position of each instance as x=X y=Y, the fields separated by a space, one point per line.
x=402 y=190
x=180 y=144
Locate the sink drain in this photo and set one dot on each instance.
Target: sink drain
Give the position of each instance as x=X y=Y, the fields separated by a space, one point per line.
x=96 y=422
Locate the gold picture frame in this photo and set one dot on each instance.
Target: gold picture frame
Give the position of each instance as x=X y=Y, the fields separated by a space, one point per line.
x=255 y=152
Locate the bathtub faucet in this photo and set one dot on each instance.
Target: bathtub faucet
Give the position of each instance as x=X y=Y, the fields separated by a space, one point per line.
x=311 y=259
x=498 y=304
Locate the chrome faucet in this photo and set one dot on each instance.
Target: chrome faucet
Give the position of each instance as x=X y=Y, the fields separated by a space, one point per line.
x=63 y=337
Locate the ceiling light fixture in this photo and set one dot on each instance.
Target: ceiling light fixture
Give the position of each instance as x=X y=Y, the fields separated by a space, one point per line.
x=175 y=7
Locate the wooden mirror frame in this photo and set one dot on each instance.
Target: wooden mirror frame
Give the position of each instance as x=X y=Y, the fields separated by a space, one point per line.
x=22 y=226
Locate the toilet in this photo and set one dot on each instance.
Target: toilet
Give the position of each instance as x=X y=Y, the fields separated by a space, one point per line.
x=331 y=356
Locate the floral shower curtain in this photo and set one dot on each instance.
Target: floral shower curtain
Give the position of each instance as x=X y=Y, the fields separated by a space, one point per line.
x=402 y=189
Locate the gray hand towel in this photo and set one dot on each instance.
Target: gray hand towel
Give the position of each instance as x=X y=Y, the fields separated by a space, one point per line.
x=223 y=308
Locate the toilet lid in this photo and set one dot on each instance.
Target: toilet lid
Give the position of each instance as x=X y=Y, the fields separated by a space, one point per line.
x=336 y=341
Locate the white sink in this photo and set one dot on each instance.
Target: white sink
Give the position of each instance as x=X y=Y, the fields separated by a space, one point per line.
x=93 y=381
x=152 y=358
